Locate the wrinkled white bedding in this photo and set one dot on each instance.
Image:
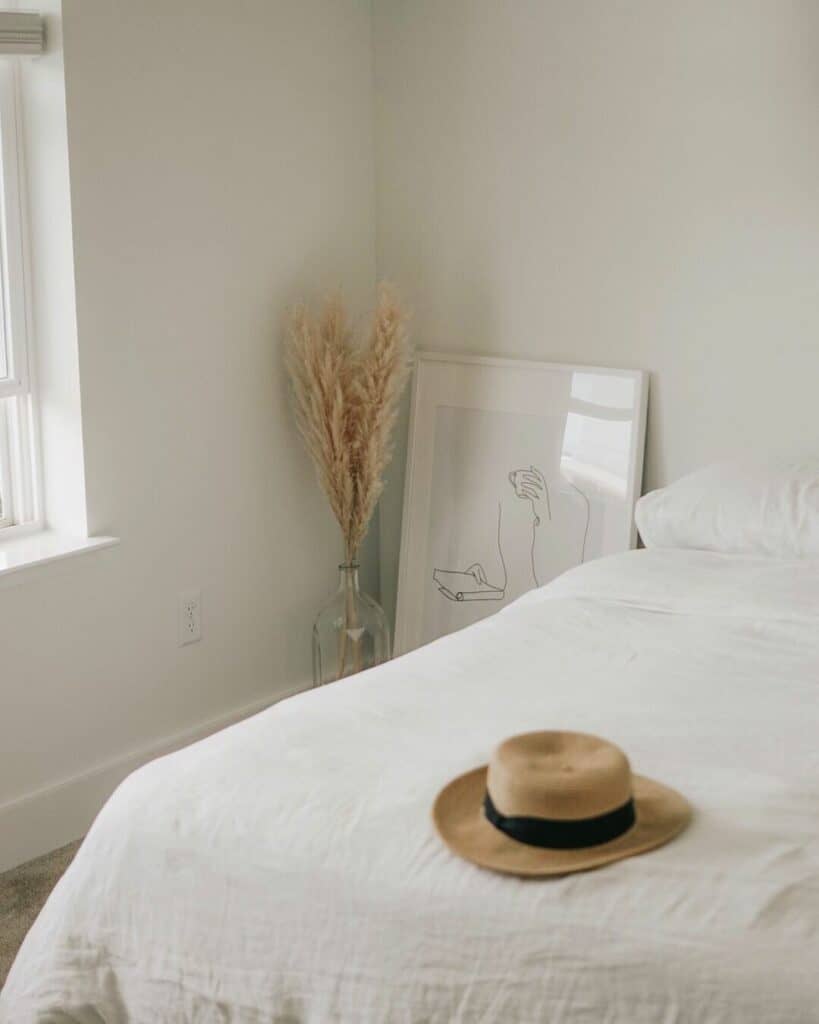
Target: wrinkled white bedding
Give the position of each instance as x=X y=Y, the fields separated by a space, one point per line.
x=286 y=868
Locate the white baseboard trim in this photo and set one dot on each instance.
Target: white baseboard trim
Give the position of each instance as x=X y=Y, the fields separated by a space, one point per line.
x=48 y=818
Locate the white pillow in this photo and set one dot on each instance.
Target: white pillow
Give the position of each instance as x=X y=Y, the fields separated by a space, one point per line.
x=738 y=508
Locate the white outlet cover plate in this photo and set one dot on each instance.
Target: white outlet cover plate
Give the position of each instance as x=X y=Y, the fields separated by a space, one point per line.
x=189 y=616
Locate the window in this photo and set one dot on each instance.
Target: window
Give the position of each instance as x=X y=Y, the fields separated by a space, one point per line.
x=18 y=476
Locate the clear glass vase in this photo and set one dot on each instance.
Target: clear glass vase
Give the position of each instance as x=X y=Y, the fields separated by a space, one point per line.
x=350 y=633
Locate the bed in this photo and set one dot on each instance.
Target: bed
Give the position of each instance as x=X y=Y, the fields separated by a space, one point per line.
x=286 y=869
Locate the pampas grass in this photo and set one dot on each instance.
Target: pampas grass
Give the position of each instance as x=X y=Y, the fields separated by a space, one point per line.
x=345 y=396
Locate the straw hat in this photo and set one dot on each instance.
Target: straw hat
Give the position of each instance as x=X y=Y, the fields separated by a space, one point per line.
x=549 y=803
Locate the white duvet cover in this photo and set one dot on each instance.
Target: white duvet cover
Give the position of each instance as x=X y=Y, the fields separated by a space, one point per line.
x=286 y=868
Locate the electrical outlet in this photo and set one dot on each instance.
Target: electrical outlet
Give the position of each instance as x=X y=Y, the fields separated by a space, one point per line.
x=189 y=617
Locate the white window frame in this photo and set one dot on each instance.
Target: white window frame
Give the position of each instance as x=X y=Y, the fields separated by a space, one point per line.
x=6 y=513
x=19 y=461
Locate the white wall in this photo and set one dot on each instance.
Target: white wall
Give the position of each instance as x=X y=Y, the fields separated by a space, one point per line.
x=633 y=184
x=221 y=167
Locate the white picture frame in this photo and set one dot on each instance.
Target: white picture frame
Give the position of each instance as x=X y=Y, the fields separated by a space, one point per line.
x=516 y=471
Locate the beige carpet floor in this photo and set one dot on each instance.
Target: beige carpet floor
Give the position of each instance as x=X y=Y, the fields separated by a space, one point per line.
x=23 y=891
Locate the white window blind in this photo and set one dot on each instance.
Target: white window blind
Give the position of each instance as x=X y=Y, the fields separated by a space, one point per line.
x=21 y=32
x=18 y=463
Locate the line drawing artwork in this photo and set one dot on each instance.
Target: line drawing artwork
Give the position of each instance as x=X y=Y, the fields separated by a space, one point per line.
x=528 y=485
x=587 y=503
x=472 y=583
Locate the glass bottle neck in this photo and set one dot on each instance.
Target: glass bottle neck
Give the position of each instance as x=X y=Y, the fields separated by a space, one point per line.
x=348 y=576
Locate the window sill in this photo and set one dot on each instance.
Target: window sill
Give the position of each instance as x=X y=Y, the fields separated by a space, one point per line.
x=38 y=551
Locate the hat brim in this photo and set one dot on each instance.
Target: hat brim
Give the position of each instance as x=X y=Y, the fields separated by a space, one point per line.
x=661 y=814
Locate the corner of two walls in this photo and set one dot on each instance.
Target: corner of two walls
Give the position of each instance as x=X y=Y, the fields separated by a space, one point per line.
x=555 y=181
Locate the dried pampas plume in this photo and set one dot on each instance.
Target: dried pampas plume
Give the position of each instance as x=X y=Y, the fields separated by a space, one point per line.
x=345 y=395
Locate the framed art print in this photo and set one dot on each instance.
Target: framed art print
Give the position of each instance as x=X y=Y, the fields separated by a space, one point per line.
x=516 y=472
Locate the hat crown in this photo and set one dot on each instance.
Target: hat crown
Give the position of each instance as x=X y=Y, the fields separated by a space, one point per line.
x=564 y=776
